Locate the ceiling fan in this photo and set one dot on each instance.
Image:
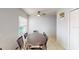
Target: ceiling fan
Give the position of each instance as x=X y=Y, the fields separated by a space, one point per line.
x=40 y=14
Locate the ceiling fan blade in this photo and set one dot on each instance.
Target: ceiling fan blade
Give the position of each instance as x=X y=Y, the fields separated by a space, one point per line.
x=39 y=12
x=43 y=13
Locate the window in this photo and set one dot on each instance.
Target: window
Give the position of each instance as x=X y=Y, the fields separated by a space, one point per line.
x=22 y=26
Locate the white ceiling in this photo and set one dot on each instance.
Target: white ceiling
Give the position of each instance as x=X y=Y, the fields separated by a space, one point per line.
x=33 y=11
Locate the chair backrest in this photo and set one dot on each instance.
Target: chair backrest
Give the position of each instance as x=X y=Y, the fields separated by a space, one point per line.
x=36 y=39
x=45 y=37
x=0 y=48
x=25 y=35
x=20 y=42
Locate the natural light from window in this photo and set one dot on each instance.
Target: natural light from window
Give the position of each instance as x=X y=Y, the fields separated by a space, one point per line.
x=22 y=26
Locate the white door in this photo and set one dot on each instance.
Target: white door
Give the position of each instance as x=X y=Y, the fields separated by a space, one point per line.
x=74 y=29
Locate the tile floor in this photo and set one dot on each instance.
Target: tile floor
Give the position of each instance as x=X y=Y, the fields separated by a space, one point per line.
x=53 y=45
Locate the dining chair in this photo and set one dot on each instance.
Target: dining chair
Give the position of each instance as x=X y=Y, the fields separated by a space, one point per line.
x=20 y=42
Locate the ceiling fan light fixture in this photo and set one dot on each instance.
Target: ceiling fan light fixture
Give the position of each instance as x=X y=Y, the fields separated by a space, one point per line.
x=38 y=15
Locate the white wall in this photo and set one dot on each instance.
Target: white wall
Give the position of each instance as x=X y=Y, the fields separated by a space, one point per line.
x=43 y=24
x=9 y=27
